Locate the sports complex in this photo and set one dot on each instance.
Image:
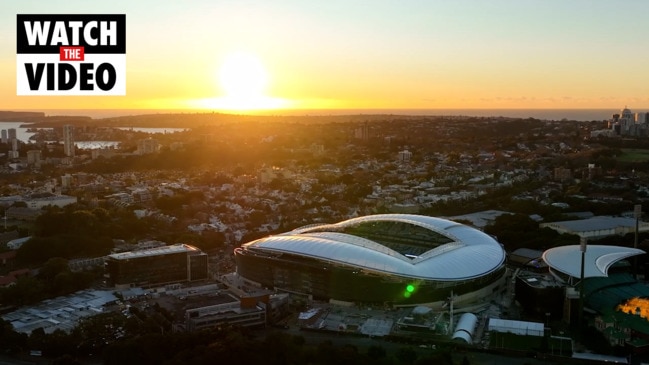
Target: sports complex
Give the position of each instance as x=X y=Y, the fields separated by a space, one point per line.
x=389 y=259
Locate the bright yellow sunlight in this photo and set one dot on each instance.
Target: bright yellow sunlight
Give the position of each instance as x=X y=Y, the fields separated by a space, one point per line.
x=243 y=81
x=243 y=76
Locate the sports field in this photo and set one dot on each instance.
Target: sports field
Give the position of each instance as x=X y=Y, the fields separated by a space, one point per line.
x=634 y=155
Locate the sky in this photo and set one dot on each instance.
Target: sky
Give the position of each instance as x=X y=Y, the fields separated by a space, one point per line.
x=378 y=54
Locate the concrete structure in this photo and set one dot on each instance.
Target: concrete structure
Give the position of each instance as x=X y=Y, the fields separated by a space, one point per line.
x=39 y=202
x=597 y=227
x=146 y=146
x=61 y=313
x=34 y=158
x=157 y=266
x=66 y=181
x=233 y=314
x=517 y=327
x=68 y=140
x=268 y=174
x=393 y=259
x=481 y=219
x=404 y=156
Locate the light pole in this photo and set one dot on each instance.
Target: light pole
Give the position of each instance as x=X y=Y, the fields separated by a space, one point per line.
x=637 y=212
x=582 y=248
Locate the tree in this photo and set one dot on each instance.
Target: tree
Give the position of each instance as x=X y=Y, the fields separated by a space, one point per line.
x=376 y=352
x=65 y=360
x=85 y=223
x=52 y=268
x=27 y=290
x=406 y=355
x=99 y=331
x=11 y=341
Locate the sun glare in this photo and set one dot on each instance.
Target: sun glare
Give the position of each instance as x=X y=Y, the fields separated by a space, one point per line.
x=243 y=76
x=243 y=83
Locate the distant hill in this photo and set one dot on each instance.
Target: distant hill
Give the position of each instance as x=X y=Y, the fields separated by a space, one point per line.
x=190 y=119
x=20 y=116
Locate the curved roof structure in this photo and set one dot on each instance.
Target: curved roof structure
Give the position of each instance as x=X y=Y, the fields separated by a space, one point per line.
x=598 y=259
x=465 y=254
x=466 y=327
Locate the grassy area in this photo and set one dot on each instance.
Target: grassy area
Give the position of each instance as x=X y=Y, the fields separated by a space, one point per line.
x=634 y=155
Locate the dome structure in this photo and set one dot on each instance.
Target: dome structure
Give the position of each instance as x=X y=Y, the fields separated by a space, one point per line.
x=387 y=257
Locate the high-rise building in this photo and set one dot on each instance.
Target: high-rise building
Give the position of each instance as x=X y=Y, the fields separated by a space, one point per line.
x=34 y=157
x=404 y=155
x=12 y=134
x=363 y=132
x=66 y=180
x=4 y=136
x=157 y=266
x=68 y=140
x=146 y=146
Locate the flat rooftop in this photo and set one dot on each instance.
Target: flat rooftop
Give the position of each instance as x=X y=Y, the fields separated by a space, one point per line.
x=59 y=313
x=157 y=251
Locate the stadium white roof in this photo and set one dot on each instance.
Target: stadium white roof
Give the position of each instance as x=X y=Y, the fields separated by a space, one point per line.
x=597 y=260
x=469 y=254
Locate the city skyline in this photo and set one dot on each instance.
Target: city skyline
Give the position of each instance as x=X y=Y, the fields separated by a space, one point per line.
x=245 y=56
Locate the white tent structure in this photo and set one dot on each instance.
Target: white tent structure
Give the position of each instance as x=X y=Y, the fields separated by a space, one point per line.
x=597 y=259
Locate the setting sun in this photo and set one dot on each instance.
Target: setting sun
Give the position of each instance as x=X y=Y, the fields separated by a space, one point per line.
x=243 y=76
x=243 y=81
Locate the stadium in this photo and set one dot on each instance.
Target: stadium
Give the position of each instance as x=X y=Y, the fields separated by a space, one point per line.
x=388 y=259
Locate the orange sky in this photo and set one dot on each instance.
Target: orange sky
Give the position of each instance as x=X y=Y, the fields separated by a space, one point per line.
x=368 y=54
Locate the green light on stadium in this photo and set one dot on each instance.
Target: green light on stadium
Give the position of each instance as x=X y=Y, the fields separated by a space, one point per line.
x=410 y=288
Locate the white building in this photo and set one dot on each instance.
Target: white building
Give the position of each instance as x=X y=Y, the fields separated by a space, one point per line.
x=68 y=140
x=405 y=155
x=146 y=146
x=34 y=157
x=56 y=200
x=597 y=227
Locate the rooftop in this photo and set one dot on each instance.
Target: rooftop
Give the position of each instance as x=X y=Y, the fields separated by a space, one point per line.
x=597 y=259
x=467 y=252
x=163 y=250
x=59 y=313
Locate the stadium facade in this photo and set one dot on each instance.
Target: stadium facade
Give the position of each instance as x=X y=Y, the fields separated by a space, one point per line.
x=390 y=259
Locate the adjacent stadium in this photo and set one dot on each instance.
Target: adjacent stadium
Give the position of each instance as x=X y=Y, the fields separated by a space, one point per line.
x=389 y=259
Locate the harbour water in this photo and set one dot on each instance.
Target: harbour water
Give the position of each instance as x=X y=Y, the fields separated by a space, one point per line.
x=23 y=134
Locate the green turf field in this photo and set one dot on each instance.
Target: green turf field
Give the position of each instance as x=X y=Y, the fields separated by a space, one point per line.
x=634 y=155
